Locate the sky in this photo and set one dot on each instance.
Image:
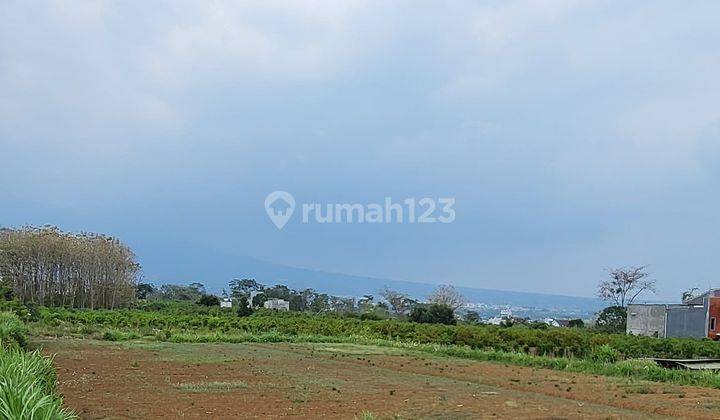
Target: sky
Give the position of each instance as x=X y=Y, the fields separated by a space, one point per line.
x=574 y=136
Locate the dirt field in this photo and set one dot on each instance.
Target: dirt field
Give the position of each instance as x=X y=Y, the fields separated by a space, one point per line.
x=166 y=380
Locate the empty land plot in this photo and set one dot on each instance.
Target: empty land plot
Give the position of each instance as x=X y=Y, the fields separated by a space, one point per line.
x=137 y=379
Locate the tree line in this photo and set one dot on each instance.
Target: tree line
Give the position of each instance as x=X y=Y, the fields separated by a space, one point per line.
x=249 y=294
x=49 y=267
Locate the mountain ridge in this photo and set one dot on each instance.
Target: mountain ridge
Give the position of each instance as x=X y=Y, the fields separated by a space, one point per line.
x=217 y=271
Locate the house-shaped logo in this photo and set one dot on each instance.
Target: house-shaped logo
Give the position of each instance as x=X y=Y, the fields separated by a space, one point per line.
x=279 y=206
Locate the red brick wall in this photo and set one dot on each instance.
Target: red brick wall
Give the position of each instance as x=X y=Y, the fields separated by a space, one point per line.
x=714 y=313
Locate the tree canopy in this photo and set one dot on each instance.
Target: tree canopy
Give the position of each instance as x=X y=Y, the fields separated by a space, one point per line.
x=46 y=266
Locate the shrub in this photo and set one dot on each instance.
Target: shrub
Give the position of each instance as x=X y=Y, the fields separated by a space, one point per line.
x=26 y=313
x=576 y=323
x=13 y=331
x=435 y=313
x=605 y=354
x=373 y=316
x=612 y=320
x=113 y=335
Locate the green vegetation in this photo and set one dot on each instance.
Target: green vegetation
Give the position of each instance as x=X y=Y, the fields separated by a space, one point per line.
x=13 y=332
x=174 y=322
x=612 y=319
x=46 y=266
x=211 y=386
x=433 y=314
x=27 y=380
x=208 y=300
x=366 y=415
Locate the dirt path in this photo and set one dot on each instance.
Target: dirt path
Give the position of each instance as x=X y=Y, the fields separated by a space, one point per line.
x=165 y=380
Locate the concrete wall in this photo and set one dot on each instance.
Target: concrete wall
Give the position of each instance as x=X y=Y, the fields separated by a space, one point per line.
x=648 y=320
x=687 y=320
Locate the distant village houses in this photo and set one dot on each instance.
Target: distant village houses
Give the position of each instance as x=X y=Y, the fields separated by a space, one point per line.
x=277 y=304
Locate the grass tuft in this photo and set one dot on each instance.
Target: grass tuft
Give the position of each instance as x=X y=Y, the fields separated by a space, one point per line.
x=210 y=386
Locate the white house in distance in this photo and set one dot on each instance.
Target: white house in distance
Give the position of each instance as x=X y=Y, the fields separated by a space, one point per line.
x=278 y=304
x=226 y=303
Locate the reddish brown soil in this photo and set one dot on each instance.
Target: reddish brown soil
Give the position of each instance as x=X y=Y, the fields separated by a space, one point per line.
x=139 y=380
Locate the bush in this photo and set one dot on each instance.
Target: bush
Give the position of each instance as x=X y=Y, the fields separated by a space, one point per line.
x=13 y=331
x=433 y=314
x=605 y=354
x=25 y=312
x=113 y=335
x=576 y=323
x=612 y=320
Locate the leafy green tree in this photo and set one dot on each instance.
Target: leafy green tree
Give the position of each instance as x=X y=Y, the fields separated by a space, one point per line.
x=209 y=300
x=321 y=304
x=472 y=317
x=342 y=304
x=239 y=287
x=198 y=287
x=296 y=302
x=179 y=293
x=259 y=300
x=279 y=291
x=434 y=313
x=244 y=308
x=144 y=290
x=576 y=323
x=612 y=319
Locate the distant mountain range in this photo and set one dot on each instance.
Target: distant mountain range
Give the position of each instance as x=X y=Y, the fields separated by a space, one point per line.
x=216 y=271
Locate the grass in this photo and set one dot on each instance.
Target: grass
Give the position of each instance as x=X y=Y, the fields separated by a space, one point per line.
x=210 y=386
x=27 y=387
x=600 y=359
x=366 y=415
x=637 y=368
x=27 y=380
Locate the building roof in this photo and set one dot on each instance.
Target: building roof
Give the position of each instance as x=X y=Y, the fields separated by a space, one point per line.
x=698 y=300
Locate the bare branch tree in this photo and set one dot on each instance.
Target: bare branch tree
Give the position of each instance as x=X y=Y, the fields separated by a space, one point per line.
x=447 y=295
x=399 y=303
x=625 y=285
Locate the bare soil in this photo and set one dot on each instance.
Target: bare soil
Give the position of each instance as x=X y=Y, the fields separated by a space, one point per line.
x=144 y=380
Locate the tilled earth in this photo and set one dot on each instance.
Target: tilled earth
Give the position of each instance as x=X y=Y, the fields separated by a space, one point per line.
x=262 y=380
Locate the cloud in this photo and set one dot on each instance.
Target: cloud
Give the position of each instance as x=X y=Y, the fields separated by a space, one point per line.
x=557 y=112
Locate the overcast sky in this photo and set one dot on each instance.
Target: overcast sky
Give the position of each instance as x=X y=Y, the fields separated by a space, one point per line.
x=575 y=136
